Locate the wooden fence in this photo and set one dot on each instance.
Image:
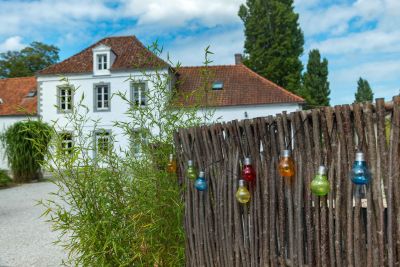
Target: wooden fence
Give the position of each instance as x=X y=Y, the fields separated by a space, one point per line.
x=287 y=225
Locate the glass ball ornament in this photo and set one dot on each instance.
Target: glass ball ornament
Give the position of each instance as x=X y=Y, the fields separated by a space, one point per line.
x=286 y=164
x=191 y=171
x=248 y=172
x=242 y=194
x=200 y=183
x=360 y=174
x=171 y=167
x=320 y=185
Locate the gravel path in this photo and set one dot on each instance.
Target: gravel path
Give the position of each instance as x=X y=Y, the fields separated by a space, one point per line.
x=25 y=238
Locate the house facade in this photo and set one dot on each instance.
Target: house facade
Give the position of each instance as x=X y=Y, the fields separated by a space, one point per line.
x=118 y=64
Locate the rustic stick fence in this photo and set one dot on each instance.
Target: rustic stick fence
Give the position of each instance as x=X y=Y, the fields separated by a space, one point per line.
x=286 y=225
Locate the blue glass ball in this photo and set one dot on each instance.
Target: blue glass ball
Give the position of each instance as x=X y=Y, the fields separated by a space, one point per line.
x=200 y=184
x=360 y=174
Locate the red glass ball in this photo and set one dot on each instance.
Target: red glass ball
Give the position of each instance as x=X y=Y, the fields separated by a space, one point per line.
x=248 y=173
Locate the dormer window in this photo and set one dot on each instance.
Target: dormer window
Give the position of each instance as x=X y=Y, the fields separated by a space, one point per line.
x=102 y=62
x=103 y=59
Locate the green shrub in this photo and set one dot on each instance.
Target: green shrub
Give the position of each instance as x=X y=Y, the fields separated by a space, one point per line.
x=5 y=180
x=25 y=148
x=121 y=209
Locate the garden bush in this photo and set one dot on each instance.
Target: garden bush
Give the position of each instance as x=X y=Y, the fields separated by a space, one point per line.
x=5 y=180
x=26 y=145
x=121 y=208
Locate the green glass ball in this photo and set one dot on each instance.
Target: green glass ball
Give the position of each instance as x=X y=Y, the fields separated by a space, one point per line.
x=191 y=173
x=320 y=185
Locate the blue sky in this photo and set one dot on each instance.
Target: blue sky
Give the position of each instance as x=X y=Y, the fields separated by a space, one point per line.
x=359 y=38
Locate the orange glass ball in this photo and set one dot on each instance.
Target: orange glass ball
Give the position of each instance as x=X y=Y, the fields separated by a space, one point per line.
x=171 y=167
x=286 y=164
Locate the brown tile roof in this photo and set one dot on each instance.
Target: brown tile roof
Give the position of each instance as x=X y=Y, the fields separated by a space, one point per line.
x=241 y=86
x=130 y=54
x=13 y=93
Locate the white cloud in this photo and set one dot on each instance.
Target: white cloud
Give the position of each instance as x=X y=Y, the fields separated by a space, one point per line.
x=12 y=43
x=190 y=50
x=180 y=12
x=360 y=39
x=374 y=41
x=31 y=17
x=357 y=36
x=382 y=75
x=385 y=70
x=317 y=19
x=25 y=17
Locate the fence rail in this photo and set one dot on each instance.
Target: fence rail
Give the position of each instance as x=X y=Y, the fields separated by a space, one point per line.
x=284 y=224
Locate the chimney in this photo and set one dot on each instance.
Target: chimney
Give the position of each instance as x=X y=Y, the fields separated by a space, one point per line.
x=238 y=59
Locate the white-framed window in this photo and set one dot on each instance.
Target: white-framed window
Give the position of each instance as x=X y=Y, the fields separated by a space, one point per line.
x=102 y=63
x=102 y=97
x=138 y=139
x=65 y=98
x=67 y=142
x=103 y=142
x=139 y=97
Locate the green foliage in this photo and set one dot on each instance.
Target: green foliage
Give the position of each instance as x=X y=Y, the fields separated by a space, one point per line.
x=25 y=148
x=121 y=208
x=364 y=92
x=274 y=41
x=5 y=180
x=315 y=81
x=28 y=61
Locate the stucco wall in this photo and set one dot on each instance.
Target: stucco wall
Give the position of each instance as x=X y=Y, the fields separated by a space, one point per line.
x=84 y=83
x=229 y=113
x=118 y=82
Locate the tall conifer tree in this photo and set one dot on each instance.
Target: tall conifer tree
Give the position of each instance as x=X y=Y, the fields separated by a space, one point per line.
x=315 y=81
x=364 y=92
x=274 y=41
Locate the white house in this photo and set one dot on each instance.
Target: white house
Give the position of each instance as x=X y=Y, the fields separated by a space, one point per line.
x=102 y=69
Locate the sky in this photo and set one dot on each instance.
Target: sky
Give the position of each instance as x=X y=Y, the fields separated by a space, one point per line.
x=359 y=38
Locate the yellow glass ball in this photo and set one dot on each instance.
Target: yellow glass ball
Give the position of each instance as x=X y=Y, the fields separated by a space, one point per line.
x=243 y=195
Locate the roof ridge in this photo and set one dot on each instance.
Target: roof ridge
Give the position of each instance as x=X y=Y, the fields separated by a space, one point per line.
x=194 y=67
x=128 y=50
x=15 y=78
x=118 y=36
x=88 y=47
x=262 y=78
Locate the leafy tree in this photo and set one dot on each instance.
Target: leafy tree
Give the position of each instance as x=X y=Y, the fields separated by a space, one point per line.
x=28 y=61
x=364 y=92
x=315 y=81
x=274 y=41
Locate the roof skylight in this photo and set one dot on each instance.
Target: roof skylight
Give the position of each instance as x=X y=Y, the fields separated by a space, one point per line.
x=31 y=93
x=217 y=85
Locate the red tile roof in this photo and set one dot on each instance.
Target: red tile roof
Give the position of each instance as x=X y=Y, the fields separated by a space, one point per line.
x=130 y=54
x=241 y=86
x=13 y=94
